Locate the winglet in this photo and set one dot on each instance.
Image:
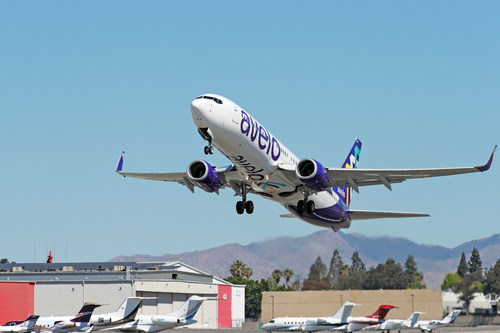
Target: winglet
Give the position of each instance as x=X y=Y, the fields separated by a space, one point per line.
x=485 y=167
x=119 y=166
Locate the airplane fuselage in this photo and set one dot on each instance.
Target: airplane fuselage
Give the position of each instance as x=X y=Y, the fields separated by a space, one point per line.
x=302 y=324
x=256 y=154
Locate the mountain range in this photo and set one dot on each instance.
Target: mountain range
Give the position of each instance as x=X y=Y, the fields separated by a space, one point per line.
x=298 y=253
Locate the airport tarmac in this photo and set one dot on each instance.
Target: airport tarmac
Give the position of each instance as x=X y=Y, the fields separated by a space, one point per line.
x=479 y=329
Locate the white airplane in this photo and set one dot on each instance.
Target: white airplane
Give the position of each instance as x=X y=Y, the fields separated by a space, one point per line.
x=182 y=317
x=263 y=165
x=126 y=312
x=395 y=324
x=310 y=324
x=24 y=327
x=431 y=325
x=80 y=323
x=358 y=323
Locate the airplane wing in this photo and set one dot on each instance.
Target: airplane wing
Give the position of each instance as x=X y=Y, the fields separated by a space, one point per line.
x=366 y=177
x=368 y=215
x=229 y=177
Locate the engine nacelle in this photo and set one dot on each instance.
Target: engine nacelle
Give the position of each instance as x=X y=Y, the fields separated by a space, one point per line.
x=312 y=174
x=164 y=320
x=203 y=175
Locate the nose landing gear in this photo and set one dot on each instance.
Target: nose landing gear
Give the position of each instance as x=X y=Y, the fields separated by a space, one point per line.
x=209 y=149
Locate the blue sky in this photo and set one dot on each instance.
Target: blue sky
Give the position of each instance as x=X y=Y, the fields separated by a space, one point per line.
x=417 y=82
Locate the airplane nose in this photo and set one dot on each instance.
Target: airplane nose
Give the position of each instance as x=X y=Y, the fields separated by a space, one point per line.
x=196 y=106
x=197 y=112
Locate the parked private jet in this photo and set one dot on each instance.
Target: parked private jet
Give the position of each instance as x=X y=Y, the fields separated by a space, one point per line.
x=310 y=324
x=20 y=327
x=263 y=165
x=431 y=325
x=182 y=317
x=126 y=312
x=80 y=323
x=395 y=324
x=358 y=323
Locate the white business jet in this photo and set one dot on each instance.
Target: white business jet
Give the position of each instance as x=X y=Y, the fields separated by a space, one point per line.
x=263 y=165
x=395 y=324
x=431 y=325
x=310 y=324
x=80 y=323
x=126 y=312
x=182 y=317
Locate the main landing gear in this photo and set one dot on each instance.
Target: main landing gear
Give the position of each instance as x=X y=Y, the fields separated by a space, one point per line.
x=244 y=205
x=306 y=204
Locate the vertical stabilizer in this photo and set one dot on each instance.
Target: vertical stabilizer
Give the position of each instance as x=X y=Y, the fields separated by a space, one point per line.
x=344 y=312
x=451 y=317
x=413 y=319
x=30 y=322
x=128 y=309
x=381 y=312
x=188 y=310
x=85 y=313
x=351 y=162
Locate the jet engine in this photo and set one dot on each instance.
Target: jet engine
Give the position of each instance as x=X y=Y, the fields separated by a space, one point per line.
x=164 y=320
x=312 y=174
x=204 y=175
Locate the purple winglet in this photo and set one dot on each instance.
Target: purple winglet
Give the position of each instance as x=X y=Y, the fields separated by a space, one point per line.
x=485 y=167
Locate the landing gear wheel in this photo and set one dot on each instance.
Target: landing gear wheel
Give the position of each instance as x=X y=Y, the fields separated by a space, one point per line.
x=310 y=206
x=249 y=207
x=208 y=150
x=301 y=206
x=240 y=207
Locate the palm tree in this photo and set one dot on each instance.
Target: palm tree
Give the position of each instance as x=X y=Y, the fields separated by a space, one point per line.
x=238 y=269
x=287 y=274
x=277 y=274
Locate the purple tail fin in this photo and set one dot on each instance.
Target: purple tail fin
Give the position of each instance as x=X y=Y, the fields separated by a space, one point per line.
x=351 y=162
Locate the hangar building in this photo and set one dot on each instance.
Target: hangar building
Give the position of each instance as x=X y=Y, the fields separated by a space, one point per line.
x=61 y=288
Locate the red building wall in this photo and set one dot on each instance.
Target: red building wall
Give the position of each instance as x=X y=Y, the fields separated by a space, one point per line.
x=17 y=301
x=224 y=313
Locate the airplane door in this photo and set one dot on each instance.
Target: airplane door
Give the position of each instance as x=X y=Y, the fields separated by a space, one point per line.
x=236 y=116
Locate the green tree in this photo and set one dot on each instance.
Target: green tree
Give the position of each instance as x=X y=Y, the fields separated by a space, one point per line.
x=357 y=264
x=492 y=281
x=467 y=288
x=337 y=268
x=462 y=266
x=317 y=271
x=386 y=276
x=287 y=274
x=277 y=274
x=450 y=281
x=475 y=265
x=4 y=261
x=414 y=277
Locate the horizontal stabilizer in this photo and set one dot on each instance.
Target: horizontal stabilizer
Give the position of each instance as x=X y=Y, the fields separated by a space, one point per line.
x=369 y=215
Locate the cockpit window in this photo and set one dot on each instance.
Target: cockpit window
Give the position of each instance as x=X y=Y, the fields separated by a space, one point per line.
x=271 y=322
x=215 y=99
